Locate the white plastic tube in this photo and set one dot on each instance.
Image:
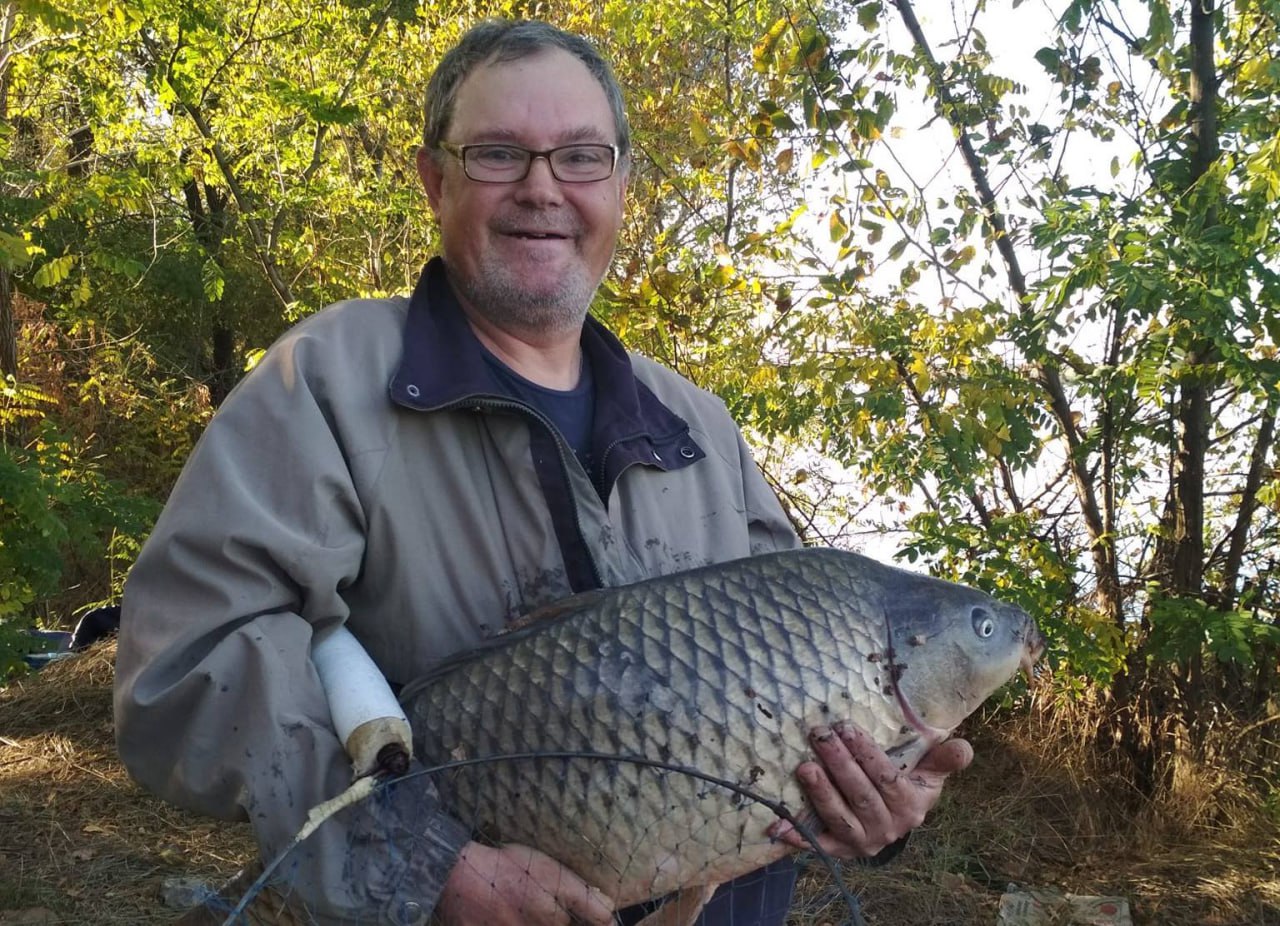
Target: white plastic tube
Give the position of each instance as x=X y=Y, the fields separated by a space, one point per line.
x=366 y=715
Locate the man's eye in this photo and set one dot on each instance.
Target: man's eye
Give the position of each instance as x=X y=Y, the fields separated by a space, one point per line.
x=583 y=157
x=496 y=157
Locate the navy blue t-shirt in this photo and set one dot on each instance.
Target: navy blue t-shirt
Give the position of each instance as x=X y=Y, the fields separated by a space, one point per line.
x=571 y=411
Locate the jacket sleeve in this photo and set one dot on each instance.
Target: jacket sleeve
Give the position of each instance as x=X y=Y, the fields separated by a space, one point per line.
x=218 y=707
x=768 y=526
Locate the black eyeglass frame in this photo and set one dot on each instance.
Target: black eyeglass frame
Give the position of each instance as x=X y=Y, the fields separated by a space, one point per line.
x=460 y=152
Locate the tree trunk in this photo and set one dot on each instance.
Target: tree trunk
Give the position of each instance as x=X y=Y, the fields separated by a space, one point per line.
x=1181 y=558
x=1178 y=695
x=224 y=369
x=8 y=327
x=207 y=209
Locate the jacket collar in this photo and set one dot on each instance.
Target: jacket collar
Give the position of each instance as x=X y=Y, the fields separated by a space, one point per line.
x=443 y=365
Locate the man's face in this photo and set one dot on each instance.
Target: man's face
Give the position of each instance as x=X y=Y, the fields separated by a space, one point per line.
x=527 y=255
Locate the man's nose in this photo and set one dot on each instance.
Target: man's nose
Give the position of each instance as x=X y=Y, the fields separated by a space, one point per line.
x=540 y=183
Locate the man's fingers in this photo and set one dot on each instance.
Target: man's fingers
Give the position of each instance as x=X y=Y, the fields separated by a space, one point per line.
x=859 y=774
x=877 y=766
x=946 y=758
x=861 y=797
x=515 y=885
x=585 y=904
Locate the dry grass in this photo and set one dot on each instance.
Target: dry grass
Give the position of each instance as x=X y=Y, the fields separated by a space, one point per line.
x=78 y=839
x=81 y=842
x=1037 y=809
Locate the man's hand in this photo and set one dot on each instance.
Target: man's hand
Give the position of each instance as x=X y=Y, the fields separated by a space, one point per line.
x=514 y=884
x=863 y=802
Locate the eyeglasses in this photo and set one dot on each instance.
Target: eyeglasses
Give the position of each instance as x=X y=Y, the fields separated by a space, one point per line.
x=511 y=163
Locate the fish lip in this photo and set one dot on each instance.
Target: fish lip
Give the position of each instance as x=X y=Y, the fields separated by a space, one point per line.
x=931 y=735
x=1032 y=651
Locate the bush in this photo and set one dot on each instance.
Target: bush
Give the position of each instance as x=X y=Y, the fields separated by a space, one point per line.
x=56 y=509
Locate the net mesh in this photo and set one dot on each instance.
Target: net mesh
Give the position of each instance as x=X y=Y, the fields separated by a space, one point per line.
x=745 y=894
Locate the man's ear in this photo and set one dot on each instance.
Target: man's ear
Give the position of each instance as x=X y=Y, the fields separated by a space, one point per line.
x=624 y=176
x=622 y=192
x=432 y=177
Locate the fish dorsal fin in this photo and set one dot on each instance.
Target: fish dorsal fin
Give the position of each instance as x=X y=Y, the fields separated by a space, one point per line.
x=558 y=610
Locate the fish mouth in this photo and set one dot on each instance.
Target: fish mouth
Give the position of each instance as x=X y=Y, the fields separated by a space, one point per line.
x=1034 y=648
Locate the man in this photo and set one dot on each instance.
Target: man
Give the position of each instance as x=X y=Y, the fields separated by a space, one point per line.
x=519 y=454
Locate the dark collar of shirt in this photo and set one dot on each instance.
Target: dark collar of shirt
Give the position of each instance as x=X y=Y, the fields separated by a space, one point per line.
x=443 y=366
x=572 y=411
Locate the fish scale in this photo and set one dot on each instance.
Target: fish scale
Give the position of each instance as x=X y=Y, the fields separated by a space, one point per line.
x=722 y=669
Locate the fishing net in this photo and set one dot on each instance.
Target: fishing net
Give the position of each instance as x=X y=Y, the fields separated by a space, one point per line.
x=647 y=737
x=604 y=831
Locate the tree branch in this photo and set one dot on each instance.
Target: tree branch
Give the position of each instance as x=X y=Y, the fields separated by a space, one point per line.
x=1239 y=535
x=1102 y=546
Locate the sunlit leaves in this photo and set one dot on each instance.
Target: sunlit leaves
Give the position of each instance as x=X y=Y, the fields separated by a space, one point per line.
x=49 y=14
x=53 y=272
x=322 y=104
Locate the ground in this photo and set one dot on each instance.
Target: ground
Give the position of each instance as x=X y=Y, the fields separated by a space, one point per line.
x=81 y=843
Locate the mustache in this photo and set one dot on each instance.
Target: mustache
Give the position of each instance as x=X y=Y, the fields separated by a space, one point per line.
x=536 y=223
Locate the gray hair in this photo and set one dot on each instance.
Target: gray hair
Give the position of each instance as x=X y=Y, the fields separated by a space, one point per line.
x=503 y=40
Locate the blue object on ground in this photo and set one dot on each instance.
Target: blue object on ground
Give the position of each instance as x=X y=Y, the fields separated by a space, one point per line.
x=53 y=644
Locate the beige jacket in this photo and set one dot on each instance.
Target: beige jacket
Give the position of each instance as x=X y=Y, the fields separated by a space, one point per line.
x=424 y=515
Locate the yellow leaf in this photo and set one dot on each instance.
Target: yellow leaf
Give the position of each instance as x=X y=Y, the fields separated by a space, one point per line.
x=920 y=374
x=698 y=130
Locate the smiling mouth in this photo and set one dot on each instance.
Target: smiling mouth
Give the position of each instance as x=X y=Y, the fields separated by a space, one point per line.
x=538 y=236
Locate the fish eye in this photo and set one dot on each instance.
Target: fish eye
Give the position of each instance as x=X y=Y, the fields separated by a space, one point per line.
x=983 y=624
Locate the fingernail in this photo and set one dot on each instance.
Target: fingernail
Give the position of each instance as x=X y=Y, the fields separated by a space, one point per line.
x=822 y=734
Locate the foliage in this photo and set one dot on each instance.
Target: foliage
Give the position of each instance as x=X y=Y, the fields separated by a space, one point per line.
x=54 y=505
x=1117 y=400
x=1025 y=300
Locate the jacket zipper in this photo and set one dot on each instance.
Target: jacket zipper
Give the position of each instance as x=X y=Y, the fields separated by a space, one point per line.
x=603 y=467
x=530 y=412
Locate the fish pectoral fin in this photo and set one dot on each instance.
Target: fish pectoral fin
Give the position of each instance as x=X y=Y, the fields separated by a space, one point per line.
x=682 y=907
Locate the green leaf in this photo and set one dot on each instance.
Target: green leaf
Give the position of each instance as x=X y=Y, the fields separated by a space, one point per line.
x=16 y=251
x=54 y=271
x=1050 y=59
x=836 y=226
x=56 y=19
x=212 y=280
x=869 y=15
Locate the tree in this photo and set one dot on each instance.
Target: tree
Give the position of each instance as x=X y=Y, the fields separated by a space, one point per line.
x=180 y=181
x=1097 y=433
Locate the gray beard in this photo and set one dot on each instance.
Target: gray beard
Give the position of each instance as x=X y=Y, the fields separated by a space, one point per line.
x=506 y=302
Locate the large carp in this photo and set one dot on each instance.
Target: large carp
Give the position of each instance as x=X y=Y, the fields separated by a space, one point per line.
x=722 y=669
